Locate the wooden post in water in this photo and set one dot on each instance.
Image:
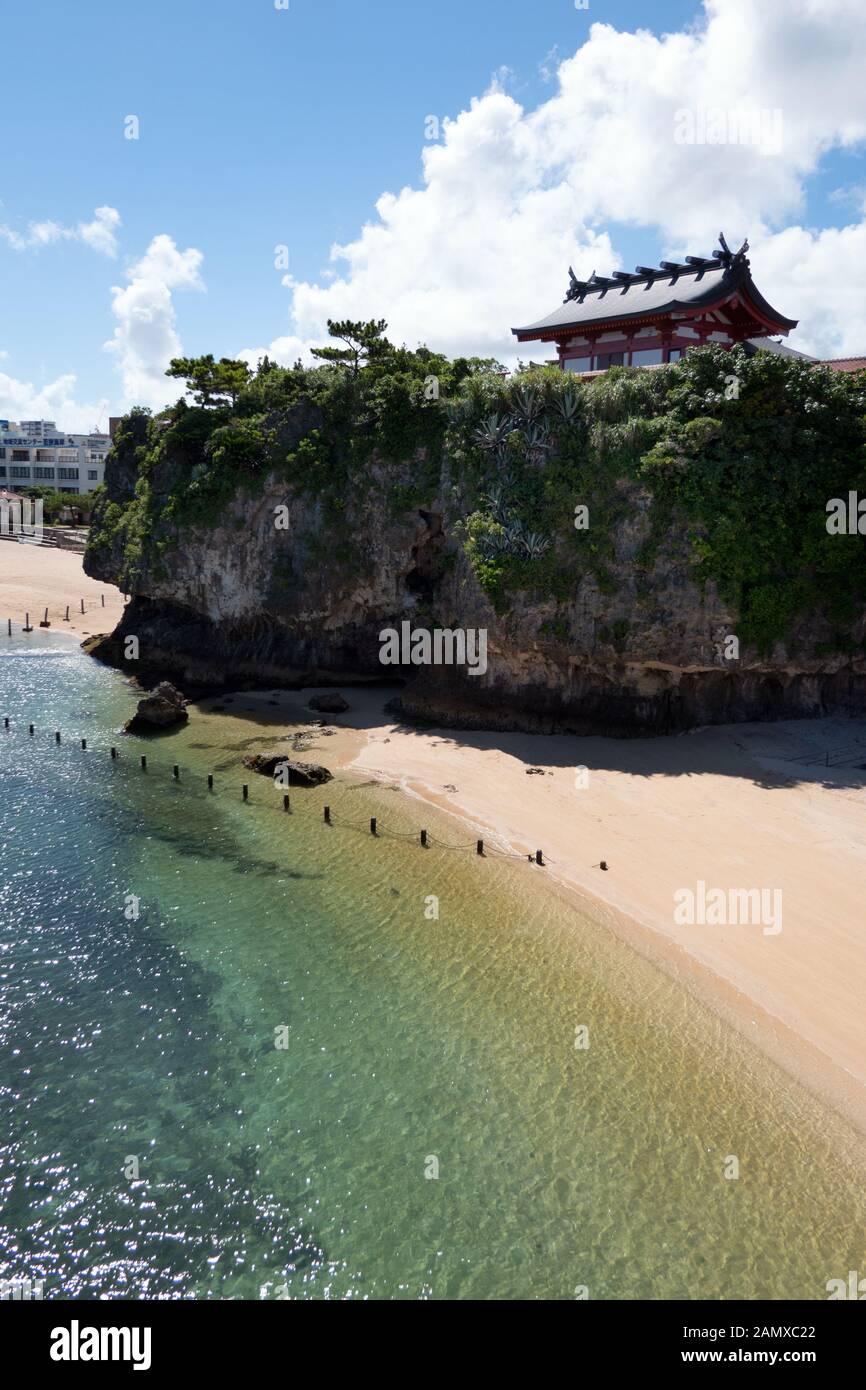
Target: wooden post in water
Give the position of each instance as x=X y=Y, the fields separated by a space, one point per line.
x=144 y=762
x=479 y=848
x=210 y=781
x=66 y=619
x=31 y=730
x=84 y=743
x=113 y=754
x=9 y=627
x=373 y=825
x=176 y=772
x=102 y=596
x=57 y=736
x=45 y=622
x=539 y=858
x=424 y=839
x=82 y=605
x=27 y=627
x=246 y=791
x=327 y=815
x=6 y=722
x=603 y=865
x=286 y=802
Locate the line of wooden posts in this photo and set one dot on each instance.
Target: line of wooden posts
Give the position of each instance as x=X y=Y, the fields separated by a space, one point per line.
x=538 y=858
x=44 y=622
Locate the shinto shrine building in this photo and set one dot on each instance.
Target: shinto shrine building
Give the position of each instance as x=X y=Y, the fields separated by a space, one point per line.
x=657 y=315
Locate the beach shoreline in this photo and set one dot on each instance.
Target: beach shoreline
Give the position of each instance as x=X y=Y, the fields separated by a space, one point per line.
x=736 y=805
x=750 y=806
x=33 y=578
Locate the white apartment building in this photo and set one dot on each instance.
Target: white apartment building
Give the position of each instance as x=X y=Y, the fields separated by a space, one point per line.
x=37 y=453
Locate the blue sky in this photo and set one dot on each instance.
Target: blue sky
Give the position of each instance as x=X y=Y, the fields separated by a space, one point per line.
x=261 y=127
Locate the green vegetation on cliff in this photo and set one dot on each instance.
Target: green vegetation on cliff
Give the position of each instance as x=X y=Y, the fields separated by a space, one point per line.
x=535 y=475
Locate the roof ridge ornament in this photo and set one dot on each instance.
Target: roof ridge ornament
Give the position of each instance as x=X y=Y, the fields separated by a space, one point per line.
x=577 y=288
x=729 y=257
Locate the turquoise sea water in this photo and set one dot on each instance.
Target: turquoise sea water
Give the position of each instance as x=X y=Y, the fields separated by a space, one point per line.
x=411 y=1044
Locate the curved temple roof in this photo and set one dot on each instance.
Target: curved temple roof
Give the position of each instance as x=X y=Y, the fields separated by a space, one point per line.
x=673 y=288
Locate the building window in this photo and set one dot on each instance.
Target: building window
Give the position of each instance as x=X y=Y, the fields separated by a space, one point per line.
x=18 y=472
x=70 y=473
x=577 y=364
x=2 y=453
x=646 y=357
x=92 y=475
x=2 y=470
x=43 y=472
x=676 y=354
x=67 y=489
x=21 y=456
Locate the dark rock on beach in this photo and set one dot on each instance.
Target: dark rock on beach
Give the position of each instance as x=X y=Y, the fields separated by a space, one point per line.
x=300 y=774
x=329 y=704
x=160 y=709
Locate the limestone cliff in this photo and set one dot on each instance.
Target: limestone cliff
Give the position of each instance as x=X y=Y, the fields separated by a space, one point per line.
x=638 y=643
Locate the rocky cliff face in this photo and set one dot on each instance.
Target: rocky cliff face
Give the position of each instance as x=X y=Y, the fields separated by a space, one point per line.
x=244 y=602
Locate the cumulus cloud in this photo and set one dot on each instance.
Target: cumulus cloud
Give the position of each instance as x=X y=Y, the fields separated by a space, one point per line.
x=100 y=234
x=22 y=400
x=146 y=338
x=509 y=197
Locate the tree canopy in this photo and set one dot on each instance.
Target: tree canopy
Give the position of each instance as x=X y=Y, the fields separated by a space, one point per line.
x=210 y=382
x=364 y=343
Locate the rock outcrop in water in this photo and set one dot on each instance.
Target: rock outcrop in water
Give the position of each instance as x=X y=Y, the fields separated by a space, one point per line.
x=668 y=609
x=299 y=774
x=160 y=709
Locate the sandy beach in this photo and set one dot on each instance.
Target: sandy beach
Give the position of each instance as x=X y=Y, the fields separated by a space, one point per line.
x=34 y=577
x=778 y=807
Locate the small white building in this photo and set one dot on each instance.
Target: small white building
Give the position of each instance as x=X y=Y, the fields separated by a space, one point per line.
x=37 y=453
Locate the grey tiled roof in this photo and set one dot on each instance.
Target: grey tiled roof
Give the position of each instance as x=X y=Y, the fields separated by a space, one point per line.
x=648 y=292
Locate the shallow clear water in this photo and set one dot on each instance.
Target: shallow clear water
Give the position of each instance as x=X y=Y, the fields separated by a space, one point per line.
x=301 y=1170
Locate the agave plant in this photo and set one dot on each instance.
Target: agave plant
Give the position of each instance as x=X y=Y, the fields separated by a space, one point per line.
x=493 y=432
x=497 y=500
x=537 y=442
x=493 y=545
x=535 y=545
x=528 y=404
x=567 y=405
x=515 y=536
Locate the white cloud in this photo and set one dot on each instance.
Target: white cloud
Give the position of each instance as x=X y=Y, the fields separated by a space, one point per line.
x=100 y=234
x=22 y=400
x=146 y=336
x=510 y=197
x=810 y=274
